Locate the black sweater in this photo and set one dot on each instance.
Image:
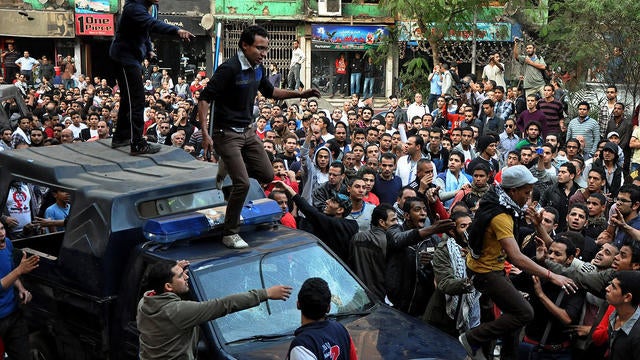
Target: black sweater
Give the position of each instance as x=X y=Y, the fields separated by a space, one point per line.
x=234 y=90
x=336 y=232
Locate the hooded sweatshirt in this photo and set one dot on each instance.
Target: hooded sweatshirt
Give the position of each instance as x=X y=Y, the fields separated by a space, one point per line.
x=131 y=43
x=314 y=176
x=168 y=325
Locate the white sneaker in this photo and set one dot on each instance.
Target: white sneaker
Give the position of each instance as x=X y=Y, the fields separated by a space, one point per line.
x=234 y=241
x=472 y=354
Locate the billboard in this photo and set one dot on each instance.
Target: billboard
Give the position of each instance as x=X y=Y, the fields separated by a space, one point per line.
x=410 y=31
x=45 y=24
x=346 y=37
x=79 y=6
x=95 y=24
x=95 y=6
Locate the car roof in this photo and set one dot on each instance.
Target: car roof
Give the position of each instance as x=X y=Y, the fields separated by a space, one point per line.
x=97 y=165
x=107 y=185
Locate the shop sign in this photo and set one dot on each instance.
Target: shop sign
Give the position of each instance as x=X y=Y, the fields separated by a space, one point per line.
x=95 y=24
x=411 y=32
x=41 y=24
x=95 y=6
x=80 y=6
x=189 y=23
x=346 y=37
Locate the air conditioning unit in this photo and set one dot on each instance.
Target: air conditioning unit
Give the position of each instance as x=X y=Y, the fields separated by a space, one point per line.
x=330 y=7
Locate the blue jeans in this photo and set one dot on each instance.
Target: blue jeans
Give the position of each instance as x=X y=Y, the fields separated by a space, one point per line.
x=367 y=90
x=355 y=83
x=432 y=100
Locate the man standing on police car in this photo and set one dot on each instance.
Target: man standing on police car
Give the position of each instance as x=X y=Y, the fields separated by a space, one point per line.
x=233 y=87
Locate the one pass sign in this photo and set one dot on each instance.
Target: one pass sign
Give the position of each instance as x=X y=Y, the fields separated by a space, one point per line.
x=95 y=24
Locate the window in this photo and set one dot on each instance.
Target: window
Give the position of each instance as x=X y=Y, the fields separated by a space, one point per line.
x=36 y=215
x=291 y=267
x=181 y=203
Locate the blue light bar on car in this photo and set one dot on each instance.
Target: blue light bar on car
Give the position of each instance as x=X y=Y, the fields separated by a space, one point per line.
x=168 y=229
x=260 y=211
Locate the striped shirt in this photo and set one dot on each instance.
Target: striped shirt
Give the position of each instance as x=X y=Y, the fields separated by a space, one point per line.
x=553 y=113
x=604 y=116
x=589 y=128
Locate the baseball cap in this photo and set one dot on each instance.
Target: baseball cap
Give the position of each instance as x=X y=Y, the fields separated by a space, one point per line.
x=613 y=133
x=344 y=201
x=516 y=176
x=611 y=147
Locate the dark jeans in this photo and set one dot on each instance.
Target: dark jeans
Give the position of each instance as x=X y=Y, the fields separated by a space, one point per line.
x=28 y=74
x=432 y=100
x=516 y=311
x=10 y=74
x=15 y=335
x=130 y=115
x=244 y=156
x=340 y=83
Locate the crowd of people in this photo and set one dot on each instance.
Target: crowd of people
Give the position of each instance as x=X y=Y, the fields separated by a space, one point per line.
x=490 y=214
x=496 y=218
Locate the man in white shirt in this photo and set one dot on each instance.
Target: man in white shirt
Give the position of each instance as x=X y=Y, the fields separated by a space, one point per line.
x=494 y=70
x=26 y=64
x=77 y=125
x=417 y=108
x=297 y=58
x=406 y=167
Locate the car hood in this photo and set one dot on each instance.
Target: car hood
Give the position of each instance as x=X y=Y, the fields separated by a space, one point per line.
x=385 y=333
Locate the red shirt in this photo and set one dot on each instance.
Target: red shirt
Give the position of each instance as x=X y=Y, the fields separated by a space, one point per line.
x=288 y=220
x=371 y=198
x=341 y=66
x=49 y=132
x=294 y=185
x=146 y=125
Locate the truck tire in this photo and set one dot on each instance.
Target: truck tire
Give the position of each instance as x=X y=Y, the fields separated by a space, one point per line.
x=41 y=349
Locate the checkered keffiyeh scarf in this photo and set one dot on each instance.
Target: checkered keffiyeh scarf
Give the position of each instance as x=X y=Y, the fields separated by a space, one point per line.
x=469 y=314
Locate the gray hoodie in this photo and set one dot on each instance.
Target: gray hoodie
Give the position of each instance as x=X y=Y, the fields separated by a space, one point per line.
x=168 y=325
x=314 y=177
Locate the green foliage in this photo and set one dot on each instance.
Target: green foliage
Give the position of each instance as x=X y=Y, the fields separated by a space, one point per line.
x=439 y=15
x=581 y=36
x=415 y=77
x=385 y=47
x=585 y=31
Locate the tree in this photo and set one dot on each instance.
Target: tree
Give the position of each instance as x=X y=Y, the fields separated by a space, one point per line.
x=583 y=34
x=435 y=20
